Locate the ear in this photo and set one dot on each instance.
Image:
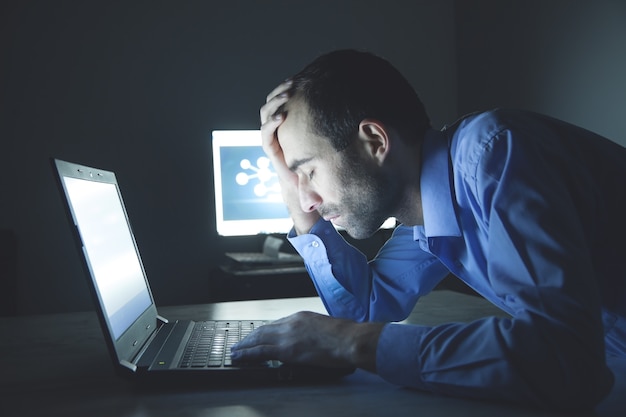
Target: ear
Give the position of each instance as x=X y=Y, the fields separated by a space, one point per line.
x=374 y=137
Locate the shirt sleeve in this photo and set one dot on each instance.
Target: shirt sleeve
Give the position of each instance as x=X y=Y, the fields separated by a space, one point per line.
x=551 y=352
x=384 y=289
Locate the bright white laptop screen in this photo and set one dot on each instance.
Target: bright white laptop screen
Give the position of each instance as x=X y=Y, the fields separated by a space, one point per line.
x=111 y=251
x=247 y=194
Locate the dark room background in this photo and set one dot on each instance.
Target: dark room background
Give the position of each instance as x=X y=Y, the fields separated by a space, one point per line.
x=137 y=86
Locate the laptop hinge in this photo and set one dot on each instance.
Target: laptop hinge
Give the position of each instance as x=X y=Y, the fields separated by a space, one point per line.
x=131 y=366
x=162 y=319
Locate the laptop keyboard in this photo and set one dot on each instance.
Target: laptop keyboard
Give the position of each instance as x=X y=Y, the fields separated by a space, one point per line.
x=210 y=342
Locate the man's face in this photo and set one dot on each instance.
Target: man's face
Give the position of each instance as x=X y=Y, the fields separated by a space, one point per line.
x=345 y=187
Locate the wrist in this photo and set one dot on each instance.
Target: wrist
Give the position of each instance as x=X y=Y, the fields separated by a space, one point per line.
x=304 y=222
x=362 y=345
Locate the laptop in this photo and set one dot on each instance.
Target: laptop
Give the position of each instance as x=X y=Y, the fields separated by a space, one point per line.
x=144 y=345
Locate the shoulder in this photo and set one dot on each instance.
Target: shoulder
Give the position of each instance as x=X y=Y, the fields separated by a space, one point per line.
x=484 y=145
x=489 y=133
x=482 y=126
x=472 y=136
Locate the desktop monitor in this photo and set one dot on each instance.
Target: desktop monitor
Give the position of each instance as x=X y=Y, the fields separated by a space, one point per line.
x=248 y=200
x=247 y=194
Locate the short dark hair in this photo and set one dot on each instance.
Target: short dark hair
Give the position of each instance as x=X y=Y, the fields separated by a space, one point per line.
x=344 y=87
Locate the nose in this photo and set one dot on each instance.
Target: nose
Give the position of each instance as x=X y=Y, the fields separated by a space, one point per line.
x=309 y=199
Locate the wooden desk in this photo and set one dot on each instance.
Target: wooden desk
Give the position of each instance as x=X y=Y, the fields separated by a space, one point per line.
x=65 y=371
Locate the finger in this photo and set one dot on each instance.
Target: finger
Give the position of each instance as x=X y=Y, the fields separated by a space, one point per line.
x=257 y=346
x=281 y=88
x=269 y=141
x=261 y=336
x=271 y=121
x=274 y=100
x=270 y=111
x=255 y=354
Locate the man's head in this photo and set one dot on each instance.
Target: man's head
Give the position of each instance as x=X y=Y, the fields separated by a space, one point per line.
x=344 y=87
x=352 y=134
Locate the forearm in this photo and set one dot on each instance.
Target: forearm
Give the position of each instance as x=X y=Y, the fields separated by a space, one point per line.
x=495 y=359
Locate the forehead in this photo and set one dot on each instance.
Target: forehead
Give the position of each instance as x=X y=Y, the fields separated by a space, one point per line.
x=297 y=119
x=296 y=139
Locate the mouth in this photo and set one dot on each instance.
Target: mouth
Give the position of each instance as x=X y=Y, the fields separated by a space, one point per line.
x=328 y=215
x=331 y=218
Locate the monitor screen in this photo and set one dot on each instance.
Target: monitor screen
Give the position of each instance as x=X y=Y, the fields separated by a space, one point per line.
x=248 y=200
x=247 y=194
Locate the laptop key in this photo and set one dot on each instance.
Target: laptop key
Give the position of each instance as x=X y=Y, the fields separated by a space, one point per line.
x=210 y=343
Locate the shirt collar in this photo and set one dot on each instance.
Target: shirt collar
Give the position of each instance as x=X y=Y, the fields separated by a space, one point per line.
x=437 y=187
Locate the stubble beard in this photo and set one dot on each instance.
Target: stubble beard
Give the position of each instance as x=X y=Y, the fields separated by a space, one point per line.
x=369 y=197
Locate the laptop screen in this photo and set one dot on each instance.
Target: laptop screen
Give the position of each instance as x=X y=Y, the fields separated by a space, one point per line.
x=110 y=249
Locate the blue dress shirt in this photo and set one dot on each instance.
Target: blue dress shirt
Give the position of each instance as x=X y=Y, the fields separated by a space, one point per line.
x=530 y=212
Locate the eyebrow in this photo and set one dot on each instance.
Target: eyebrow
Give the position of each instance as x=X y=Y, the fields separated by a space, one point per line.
x=298 y=162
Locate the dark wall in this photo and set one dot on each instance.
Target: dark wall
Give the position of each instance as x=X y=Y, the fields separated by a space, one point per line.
x=137 y=86
x=559 y=57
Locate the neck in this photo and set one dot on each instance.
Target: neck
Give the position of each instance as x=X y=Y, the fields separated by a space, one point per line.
x=410 y=209
x=410 y=212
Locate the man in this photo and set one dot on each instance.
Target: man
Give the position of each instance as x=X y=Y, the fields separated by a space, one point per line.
x=527 y=210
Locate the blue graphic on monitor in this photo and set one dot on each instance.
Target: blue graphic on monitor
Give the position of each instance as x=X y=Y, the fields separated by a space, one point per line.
x=250 y=187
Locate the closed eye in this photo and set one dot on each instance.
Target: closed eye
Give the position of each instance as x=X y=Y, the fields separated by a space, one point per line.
x=298 y=163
